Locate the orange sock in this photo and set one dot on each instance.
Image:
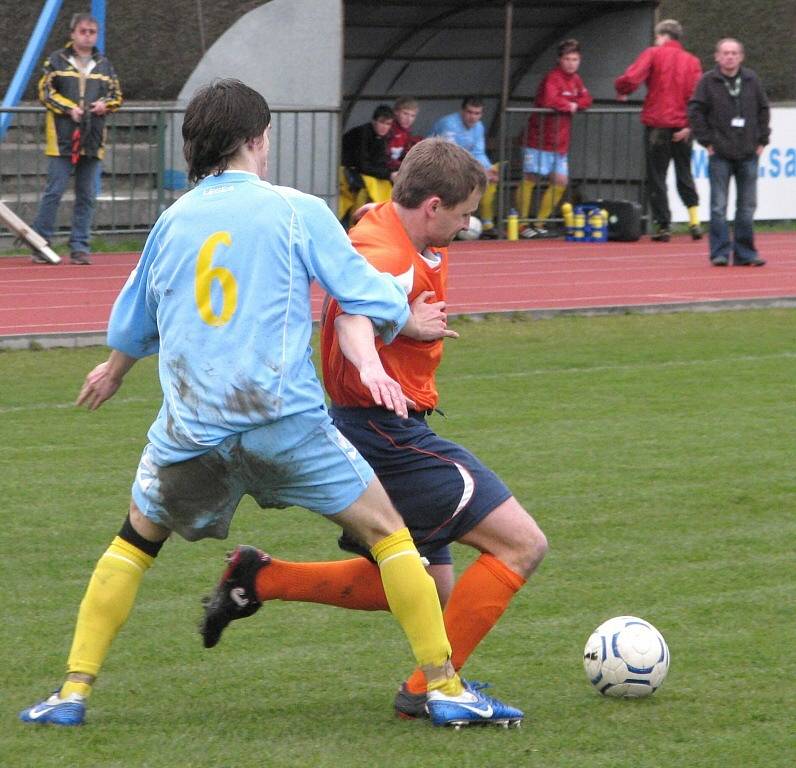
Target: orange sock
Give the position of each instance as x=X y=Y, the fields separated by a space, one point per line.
x=354 y=583
x=478 y=600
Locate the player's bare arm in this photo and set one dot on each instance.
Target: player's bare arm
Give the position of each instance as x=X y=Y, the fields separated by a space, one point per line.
x=357 y=343
x=428 y=320
x=102 y=382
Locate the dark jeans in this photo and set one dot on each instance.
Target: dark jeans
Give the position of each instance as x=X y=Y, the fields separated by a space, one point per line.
x=745 y=173
x=660 y=150
x=58 y=174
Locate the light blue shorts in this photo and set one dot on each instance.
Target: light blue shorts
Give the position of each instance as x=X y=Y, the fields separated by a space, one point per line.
x=543 y=163
x=301 y=459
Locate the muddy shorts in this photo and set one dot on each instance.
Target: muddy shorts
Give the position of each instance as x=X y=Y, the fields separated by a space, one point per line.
x=301 y=459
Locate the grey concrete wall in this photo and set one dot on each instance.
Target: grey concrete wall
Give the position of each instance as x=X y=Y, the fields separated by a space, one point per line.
x=291 y=52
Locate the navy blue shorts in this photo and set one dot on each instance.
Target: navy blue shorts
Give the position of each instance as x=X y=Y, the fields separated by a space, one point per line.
x=441 y=490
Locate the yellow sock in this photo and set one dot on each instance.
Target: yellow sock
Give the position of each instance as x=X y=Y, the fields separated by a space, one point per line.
x=486 y=208
x=550 y=200
x=693 y=216
x=106 y=605
x=524 y=198
x=413 y=600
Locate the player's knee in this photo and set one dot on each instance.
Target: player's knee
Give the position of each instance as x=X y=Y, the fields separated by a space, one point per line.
x=372 y=517
x=142 y=533
x=531 y=549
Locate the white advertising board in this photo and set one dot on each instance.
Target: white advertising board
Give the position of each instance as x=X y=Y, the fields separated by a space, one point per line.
x=776 y=184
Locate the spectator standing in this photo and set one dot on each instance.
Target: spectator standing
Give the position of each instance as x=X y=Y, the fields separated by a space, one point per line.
x=729 y=116
x=548 y=137
x=466 y=129
x=671 y=74
x=399 y=139
x=78 y=88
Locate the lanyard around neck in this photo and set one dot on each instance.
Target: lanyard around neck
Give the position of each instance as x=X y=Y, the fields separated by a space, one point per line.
x=733 y=86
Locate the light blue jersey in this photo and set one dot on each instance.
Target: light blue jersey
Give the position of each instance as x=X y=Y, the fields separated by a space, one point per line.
x=452 y=128
x=222 y=293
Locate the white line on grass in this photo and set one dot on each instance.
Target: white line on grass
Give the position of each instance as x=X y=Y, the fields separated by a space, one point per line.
x=627 y=366
x=514 y=375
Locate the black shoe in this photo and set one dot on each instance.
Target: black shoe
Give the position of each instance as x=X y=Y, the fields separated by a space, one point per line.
x=410 y=706
x=37 y=258
x=719 y=261
x=695 y=232
x=235 y=596
x=662 y=235
x=489 y=234
x=756 y=262
x=79 y=257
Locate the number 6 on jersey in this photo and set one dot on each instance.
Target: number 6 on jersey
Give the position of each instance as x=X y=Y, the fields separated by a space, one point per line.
x=206 y=273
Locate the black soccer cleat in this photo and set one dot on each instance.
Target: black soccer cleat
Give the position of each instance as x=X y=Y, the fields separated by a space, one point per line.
x=235 y=596
x=410 y=706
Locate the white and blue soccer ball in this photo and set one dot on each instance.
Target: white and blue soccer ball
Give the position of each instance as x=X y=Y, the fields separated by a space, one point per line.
x=626 y=657
x=473 y=232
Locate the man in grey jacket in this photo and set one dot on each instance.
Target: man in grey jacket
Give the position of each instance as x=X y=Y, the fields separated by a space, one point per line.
x=729 y=116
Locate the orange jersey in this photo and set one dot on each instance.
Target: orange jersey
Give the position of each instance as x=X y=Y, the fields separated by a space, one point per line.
x=381 y=238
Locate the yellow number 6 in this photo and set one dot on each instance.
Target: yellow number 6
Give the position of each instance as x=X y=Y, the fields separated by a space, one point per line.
x=206 y=273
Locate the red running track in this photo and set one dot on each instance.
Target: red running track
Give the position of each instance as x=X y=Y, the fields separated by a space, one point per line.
x=42 y=302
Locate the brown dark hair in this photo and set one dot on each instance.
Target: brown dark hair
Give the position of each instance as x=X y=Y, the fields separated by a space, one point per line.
x=219 y=119
x=570 y=45
x=472 y=101
x=382 y=112
x=435 y=167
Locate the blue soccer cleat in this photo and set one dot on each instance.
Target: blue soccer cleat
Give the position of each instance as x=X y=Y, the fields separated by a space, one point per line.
x=56 y=711
x=471 y=707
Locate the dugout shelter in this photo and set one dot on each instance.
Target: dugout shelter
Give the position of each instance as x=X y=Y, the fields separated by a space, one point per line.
x=333 y=61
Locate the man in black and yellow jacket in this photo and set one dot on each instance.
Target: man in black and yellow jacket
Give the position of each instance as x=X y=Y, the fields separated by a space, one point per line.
x=78 y=87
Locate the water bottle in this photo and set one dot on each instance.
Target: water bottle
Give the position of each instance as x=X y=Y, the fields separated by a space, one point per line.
x=512 y=226
x=569 y=220
x=579 y=224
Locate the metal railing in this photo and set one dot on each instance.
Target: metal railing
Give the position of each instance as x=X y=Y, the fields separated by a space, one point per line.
x=606 y=155
x=143 y=171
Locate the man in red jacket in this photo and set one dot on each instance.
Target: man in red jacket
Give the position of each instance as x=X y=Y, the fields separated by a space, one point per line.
x=547 y=141
x=671 y=75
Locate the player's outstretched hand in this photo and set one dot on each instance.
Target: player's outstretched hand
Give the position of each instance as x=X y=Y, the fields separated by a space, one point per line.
x=100 y=385
x=384 y=390
x=428 y=320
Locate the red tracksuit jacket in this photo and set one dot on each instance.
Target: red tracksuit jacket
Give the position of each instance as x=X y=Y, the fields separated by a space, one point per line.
x=557 y=91
x=671 y=75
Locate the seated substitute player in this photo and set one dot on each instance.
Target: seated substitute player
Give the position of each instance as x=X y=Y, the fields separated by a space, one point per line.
x=443 y=492
x=222 y=293
x=548 y=137
x=399 y=139
x=466 y=129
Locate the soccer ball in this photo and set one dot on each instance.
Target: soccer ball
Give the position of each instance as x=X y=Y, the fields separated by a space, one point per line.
x=473 y=232
x=626 y=656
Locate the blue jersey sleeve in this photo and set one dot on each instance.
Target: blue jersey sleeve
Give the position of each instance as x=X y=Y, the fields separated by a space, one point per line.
x=345 y=275
x=478 y=150
x=132 y=327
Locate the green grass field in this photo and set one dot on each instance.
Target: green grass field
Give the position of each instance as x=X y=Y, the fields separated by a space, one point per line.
x=655 y=451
